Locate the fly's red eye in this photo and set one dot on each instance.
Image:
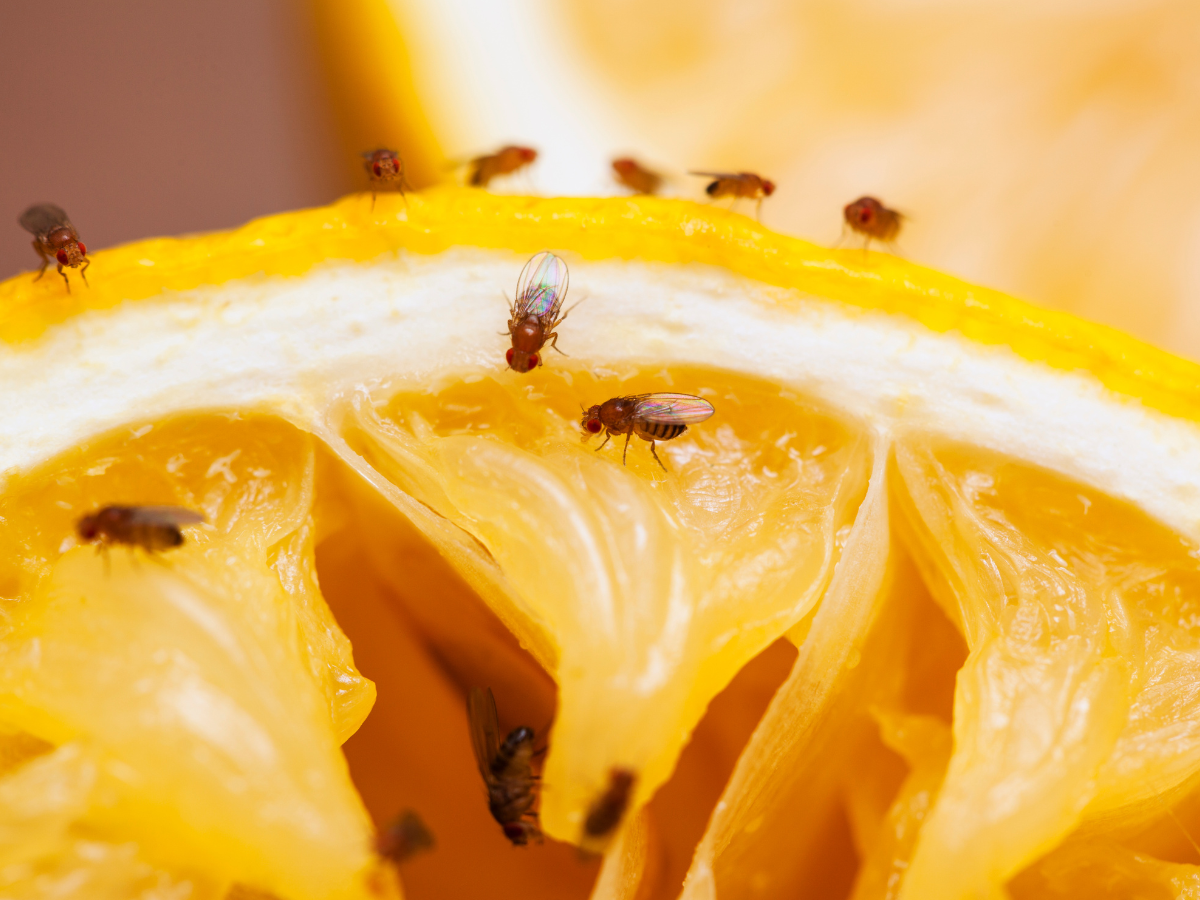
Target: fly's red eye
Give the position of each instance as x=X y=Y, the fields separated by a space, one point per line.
x=82 y=248
x=594 y=426
x=378 y=169
x=865 y=214
x=508 y=356
x=533 y=360
x=61 y=256
x=768 y=188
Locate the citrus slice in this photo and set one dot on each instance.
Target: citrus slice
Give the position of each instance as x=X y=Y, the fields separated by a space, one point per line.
x=975 y=522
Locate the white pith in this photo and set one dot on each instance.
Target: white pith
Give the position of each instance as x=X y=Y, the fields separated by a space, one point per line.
x=294 y=346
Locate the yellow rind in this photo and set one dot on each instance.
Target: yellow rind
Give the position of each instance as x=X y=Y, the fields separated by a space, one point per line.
x=370 y=78
x=646 y=228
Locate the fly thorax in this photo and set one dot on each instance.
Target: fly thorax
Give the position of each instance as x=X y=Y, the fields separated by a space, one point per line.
x=528 y=335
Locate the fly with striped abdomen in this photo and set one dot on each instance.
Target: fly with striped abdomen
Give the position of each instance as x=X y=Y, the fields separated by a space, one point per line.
x=506 y=767
x=652 y=417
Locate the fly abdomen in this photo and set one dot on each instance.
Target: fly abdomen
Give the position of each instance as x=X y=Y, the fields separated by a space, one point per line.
x=519 y=742
x=661 y=431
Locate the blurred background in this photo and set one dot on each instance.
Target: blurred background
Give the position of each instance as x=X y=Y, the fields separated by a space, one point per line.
x=1049 y=148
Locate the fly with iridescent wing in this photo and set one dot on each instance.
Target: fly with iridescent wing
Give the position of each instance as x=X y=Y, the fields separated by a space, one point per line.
x=652 y=417
x=537 y=310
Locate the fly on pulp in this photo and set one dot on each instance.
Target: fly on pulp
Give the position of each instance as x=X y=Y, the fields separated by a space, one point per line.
x=152 y=528
x=406 y=836
x=652 y=417
x=506 y=767
x=606 y=811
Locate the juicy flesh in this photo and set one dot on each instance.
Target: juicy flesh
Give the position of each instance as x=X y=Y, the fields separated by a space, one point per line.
x=993 y=683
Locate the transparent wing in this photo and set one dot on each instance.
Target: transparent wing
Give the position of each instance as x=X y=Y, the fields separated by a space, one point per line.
x=714 y=174
x=164 y=515
x=677 y=409
x=485 y=729
x=542 y=287
x=43 y=218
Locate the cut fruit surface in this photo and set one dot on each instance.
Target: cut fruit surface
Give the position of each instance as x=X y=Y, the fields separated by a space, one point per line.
x=976 y=526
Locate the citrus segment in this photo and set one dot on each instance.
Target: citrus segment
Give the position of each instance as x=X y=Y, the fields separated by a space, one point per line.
x=1078 y=612
x=783 y=792
x=174 y=669
x=636 y=577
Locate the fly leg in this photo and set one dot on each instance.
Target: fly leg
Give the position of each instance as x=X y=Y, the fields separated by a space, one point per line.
x=41 y=251
x=625 y=452
x=607 y=437
x=83 y=271
x=655 y=455
x=758 y=210
x=66 y=280
x=554 y=343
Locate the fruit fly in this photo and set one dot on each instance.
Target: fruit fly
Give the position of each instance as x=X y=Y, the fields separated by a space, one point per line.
x=605 y=813
x=872 y=219
x=652 y=417
x=504 y=161
x=506 y=768
x=405 y=837
x=635 y=176
x=55 y=238
x=738 y=185
x=152 y=528
x=534 y=314
x=385 y=167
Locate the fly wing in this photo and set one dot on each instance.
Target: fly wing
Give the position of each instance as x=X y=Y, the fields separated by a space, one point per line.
x=714 y=174
x=675 y=409
x=485 y=729
x=43 y=218
x=164 y=515
x=542 y=287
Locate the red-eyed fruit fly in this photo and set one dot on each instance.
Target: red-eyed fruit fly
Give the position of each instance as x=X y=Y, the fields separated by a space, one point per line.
x=605 y=813
x=152 y=528
x=534 y=314
x=504 y=161
x=633 y=175
x=652 y=417
x=406 y=836
x=738 y=185
x=55 y=238
x=873 y=220
x=506 y=767
x=385 y=168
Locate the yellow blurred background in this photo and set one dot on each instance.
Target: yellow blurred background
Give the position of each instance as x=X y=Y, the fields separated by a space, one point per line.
x=1044 y=147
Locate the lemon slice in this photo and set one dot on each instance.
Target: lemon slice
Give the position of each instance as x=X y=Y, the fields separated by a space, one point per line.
x=905 y=476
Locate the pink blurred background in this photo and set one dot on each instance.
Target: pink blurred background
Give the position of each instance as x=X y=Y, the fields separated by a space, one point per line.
x=145 y=118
